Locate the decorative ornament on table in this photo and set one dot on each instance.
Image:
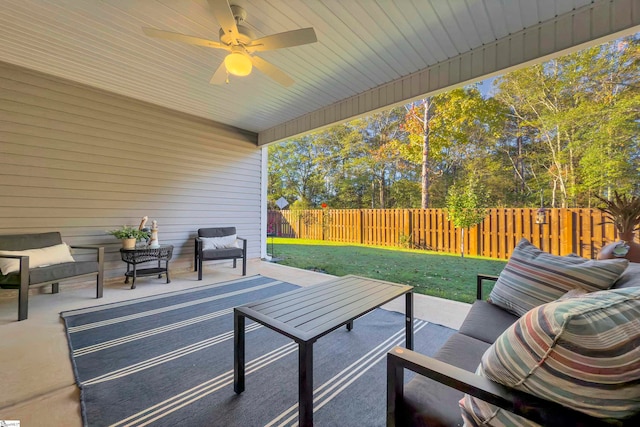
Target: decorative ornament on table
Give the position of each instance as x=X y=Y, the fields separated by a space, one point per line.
x=129 y=236
x=624 y=212
x=142 y=227
x=153 y=242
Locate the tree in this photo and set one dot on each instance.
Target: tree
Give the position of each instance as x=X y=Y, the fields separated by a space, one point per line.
x=294 y=173
x=466 y=206
x=579 y=115
x=442 y=127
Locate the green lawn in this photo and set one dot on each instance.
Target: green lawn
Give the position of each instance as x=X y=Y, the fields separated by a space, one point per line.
x=431 y=273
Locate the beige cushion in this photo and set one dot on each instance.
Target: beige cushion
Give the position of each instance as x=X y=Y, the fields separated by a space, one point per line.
x=583 y=353
x=219 y=242
x=40 y=257
x=533 y=277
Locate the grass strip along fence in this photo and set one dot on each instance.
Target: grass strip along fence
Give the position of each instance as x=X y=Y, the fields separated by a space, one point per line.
x=579 y=231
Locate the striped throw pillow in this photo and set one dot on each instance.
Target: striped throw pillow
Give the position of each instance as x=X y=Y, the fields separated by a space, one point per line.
x=533 y=277
x=582 y=352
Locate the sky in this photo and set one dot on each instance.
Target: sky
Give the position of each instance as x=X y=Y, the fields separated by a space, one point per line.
x=486 y=87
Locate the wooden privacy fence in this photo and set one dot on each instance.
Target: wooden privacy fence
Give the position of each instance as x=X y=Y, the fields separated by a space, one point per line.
x=579 y=231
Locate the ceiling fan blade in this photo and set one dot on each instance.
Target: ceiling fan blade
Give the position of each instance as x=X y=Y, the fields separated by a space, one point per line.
x=220 y=76
x=168 y=35
x=272 y=71
x=286 y=39
x=222 y=11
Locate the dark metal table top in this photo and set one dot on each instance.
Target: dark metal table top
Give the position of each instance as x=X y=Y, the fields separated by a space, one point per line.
x=309 y=313
x=139 y=255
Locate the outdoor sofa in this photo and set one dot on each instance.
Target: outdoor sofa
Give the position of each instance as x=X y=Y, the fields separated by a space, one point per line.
x=33 y=260
x=607 y=392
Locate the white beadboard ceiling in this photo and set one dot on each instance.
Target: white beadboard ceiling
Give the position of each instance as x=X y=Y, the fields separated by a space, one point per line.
x=363 y=45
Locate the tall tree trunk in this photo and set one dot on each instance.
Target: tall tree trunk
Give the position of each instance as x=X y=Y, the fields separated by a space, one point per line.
x=521 y=165
x=425 y=154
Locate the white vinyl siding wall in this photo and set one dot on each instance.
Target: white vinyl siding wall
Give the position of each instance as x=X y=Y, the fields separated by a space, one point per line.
x=82 y=161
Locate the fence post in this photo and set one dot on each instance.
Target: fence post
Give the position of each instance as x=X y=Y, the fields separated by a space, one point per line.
x=360 y=222
x=567 y=234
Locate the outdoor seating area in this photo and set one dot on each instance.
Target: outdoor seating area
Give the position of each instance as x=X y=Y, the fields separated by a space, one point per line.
x=402 y=145
x=534 y=360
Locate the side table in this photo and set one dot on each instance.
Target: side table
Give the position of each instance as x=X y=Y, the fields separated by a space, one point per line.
x=136 y=256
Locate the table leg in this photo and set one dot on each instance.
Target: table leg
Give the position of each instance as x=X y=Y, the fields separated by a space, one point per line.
x=159 y=266
x=238 y=351
x=350 y=326
x=133 y=282
x=166 y=271
x=409 y=320
x=305 y=384
x=126 y=278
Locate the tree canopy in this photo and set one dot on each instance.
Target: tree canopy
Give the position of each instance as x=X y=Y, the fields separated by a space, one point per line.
x=566 y=128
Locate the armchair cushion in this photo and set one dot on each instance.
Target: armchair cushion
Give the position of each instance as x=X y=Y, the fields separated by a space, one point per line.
x=225 y=253
x=533 y=277
x=486 y=322
x=50 y=273
x=216 y=231
x=49 y=255
x=582 y=352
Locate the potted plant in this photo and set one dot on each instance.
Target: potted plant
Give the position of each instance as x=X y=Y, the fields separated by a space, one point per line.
x=624 y=212
x=129 y=236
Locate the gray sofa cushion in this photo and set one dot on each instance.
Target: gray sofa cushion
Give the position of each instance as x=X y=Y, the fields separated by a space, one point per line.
x=21 y=242
x=50 y=273
x=486 y=322
x=224 y=253
x=216 y=232
x=432 y=404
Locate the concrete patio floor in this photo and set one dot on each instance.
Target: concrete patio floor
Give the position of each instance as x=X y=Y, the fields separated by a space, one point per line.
x=36 y=375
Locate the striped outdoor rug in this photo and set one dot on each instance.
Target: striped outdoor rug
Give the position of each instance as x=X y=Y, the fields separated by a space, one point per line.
x=167 y=360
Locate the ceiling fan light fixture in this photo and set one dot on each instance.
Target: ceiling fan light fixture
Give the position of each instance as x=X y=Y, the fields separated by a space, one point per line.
x=238 y=64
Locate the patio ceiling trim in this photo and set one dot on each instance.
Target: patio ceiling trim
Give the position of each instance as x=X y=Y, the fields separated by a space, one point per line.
x=595 y=23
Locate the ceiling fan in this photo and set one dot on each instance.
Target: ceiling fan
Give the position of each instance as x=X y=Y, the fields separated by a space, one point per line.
x=240 y=41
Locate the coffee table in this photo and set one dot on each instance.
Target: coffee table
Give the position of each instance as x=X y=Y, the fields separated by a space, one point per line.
x=309 y=313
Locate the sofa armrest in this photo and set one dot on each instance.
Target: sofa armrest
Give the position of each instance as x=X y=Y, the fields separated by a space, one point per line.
x=94 y=247
x=23 y=295
x=99 y=252
x=14 y=256
x=479 y=280
x=539 y=410
x=244 y=243
x=24 y=263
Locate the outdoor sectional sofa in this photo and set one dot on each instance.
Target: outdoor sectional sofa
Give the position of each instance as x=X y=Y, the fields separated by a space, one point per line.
x=32 y=260
x=601 y=387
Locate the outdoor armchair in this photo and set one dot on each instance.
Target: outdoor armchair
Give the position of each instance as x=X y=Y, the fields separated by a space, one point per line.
x=219 y=243
x=50 y=262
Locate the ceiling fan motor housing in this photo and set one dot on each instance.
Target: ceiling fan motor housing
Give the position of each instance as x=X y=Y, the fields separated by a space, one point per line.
x=245 y=36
